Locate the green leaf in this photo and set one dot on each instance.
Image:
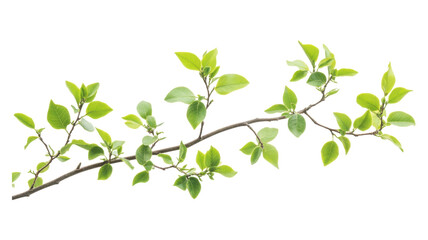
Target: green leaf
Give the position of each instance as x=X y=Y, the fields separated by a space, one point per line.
x=329 y=152
x=141 y=177
x=29 y=140
x=41 y=165
x=83 y=92
x=270 y=154
x=369 y=101
x=74 y=91
x=151 y=121
x=144 y=109
x=200 y=160
x=332 y=92
x=148 y=165
x=182 y=151
x=346 y=143
x=393 y=140
x=214 y=72
x=397 y=94
x=277 y=108
x=289 y=99
x=325 y=62
x=189 y=60
x=63 y=158
x=329 y=54
x=296 y=124
x=210 y=59
x=299 y=74
x=317 y=79
x=143 y=154
x=401 y=119
x=97 y=109
x=194 y=187
x=212 y=158
x=82 y=144
x=388 y=80
x=132 y=121
x=58 y=116
x=248 y=148
x=311 y=52
x=26 y=120
x=15 y=176
x=343 y=121
x=86 y=125
x=166 y=158
x=127 y=162
x=255 y=154
x=149 y=140
x=180 y=94
x=117 y=144
x=92 y=91
x=196 y=113
x=95 y=152
x=181 y=183
x=375 y=121
x=229 y=83
x=345 y=72
x=364 y=122
x=38 y=183
x=267 y=134
x=104 y=136
x=298 y=63
x=105 y=172
x=225 y=171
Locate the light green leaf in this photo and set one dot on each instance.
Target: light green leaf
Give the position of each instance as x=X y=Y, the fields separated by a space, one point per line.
x=401 y=119
x=329 y=152
x=95 y=152
x=329 y=54
x=248 y=148
x=166 y=158
x=332 y=92
x=345 y=72
x=29 y=140
x=343 y=121
x=104 y=136
x=299 y=74
x=75 y=91
x=214 y=72
x=325 y=62
x=144 y=109
x=225 y=171
x=182 y=152
x=296 y=124
x=86 y=125
x=92 y=91
x=83 y=92
x=277 y=108
x=143 y=154
x=38 y=183
x=369 y=101
x=364 y=122
x=63 y=158
x=375 y=121
x=141 y=177
x=105 y=172
x=298 y=63
x=97 y=109
x=346 y=143
x=210 y=59
x=181 y=183
x=194 y=187
x=132 y=125
x=26 y=120
x=15 y=176
x=289 y=99
x=127 y=162
x=189 y=60
x=151 y=121
x=397 y=94
x=311 y=52
x=132 y=121
x=200 y=160
x=255 y=154
x=82 y=144
x=229 y=83
x=317 y=79
x=58 y=116
x=41 y=165
x=180 y=94
x=270 y=154
x=196 y=113
x=212 y=157
x=117 y=144
x=393 y=140
x=388 y=80
x=267 y=134
x=148 y=140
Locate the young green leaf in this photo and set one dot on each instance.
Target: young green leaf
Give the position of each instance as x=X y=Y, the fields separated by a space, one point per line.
x=117 y=144
x=141 y=177
x=15 y=176
x=289 y=99
x=248 y=148
x=343 y=121
x=144 y=109
x=277 y=108
x=375 y=121
x=133 y=121
x=86 y=125
x=105 y=172
x=397 y=94
x=393 y=140
x=214 y=72
x=225 y=171
x=364 y=122
x=401 y=119
x=345 y=72
x=29 y=140
x=180 y=94
x=332 y=92
x=83 y=92
x=92 y=91
x=311 y=52
x=296 y=124
x=104 y=136
x=63 y=158
x=149 y=140
x=325 y=62
x=200 y=160
x=42 y=165
x=143 y=154
x=97 y=109
x=329 y=54
x=346 y=143
x=182 y=151
x=38 y=183
x=229 y=83
x=189 y=60
x=298 y=63
x=255 y=154
x=317 y=79
x=127 y=162
x=82 y=144
x=210 y=59
x=166 y=158
x=212 y=157
x=26 y=120
x=299 y=74
x=329 y=152
x=181 y=183
x=194 y=187
x=369 y=101
x=58 y=116
x=151 y=121
x=196 y=113
x=75 y=91
x=95 y=152
x=267 y=134
x=388 y=80
x=148 y=165
x=270 y=154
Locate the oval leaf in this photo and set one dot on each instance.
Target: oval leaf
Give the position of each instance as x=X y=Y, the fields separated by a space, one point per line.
x=212 y=157
x=143 y=154
x=317 y=79
x=267 y=134
x=189 y=60
x=298 y=63
x=277 y=108
x=144 y=109
x=225 y=171
x=296 y=124
x=289 y=98
x=105 y=172
x=58 y=116
x=388 y=80
x=311 y=52
x=75 y=91
x=369 y=101
x=26 y=120
x=180 y=94
x=97 y=109
x=345 y=72
x=346 y=143
x=364 y=122
x=181 y=183
x=200 y=160
x=255 y=154
x=299 y=74
x=343 y=121
x=401 y=119
x=38 y=183
x=270 y=154
x=329 y=152
x=397 y=94
x=229 y=83
x=194 y=187
x=248 y=148
x=141 y=177
x=196 y=113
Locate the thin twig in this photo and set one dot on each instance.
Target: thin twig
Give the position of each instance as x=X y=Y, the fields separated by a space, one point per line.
x=257 y=136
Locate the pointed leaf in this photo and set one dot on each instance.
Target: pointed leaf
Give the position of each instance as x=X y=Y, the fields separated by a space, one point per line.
x=388 y=80
x=317 y=79
x=26 y=120
x=311 y=52
x=181 y=183
x=346 y=143
x=277 y=108
x=267 y=134
x=104 y=136
x=180 y=94
x=141 y=177
x=397 y=94
x=329 y=152
x=196 y=113
x=194 y=187
x=296 y=124
x=144 y=109
x=289 y=99
x=182 y=151
x=166 y=158
x=255 y=154
x=58 y=116
x=92 y=91
x=225 y=171
x=212 y=157
x=229 y=83
x=298 y=63
x=325 y=62
x=248 y=148
x=149 y=140
x=29 y=140
x=105 y=172
x=299 y=74
x=38 y=183
x=401 y=119
x=369 y=101
x=393 y=140
x=75 y=91
x=97 y=109
x=15 y=176
x=41 y=165
x=210 y=59
x=189 y=60
x=364 y=122
x=343 y=121
x=127 y=162
x=95 y=152
x=345 y=72
x=270 y=154
x=200 y=160
x=143 y=154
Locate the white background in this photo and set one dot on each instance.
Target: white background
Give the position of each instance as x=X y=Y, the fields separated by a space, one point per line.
x=375 y=192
